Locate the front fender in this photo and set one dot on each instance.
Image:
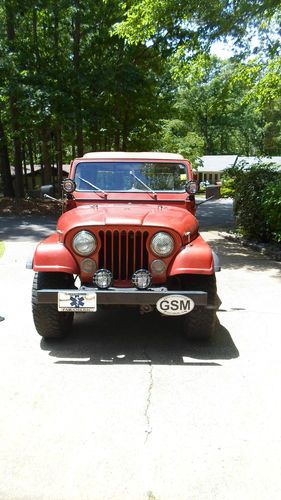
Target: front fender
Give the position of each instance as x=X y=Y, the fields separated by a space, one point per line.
x=52 y=256
x=195 y=258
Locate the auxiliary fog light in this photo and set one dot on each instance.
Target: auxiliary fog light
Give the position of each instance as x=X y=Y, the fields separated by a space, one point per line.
x=88 y=266
x=158 y=266
x=102 y=278
x=68 y=185
x=141 y=279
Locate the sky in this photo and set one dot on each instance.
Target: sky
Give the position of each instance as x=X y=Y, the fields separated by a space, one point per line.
x=223 y=50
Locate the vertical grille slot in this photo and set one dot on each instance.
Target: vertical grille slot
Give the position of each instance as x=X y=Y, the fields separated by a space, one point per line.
x=116 y=261
x=102 y=250
x=123 y=252
x=123 y=256
x=108 y=253
x=131 y=252
x=138 y=252
x=144 y=251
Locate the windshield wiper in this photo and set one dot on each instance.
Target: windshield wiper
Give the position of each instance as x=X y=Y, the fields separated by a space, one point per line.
x=132 y=173
x=98 y=189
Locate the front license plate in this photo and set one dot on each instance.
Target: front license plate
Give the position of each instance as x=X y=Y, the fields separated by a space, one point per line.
x=77 y=301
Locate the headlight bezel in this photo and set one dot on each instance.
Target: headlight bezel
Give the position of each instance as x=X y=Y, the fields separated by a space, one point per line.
x=86 y=234
x=158 y=253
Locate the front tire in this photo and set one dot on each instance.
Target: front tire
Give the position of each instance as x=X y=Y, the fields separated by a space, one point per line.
x=201 y=322
x=48 y=321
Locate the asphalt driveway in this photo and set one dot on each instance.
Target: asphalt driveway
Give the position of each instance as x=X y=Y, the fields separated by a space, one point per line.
x=125 y=408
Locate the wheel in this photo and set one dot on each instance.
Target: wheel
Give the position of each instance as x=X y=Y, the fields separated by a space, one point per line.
x=200 y=323
x=48 y=321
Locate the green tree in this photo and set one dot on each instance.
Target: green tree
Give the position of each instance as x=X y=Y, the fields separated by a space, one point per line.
x=177 y=138
x=78 y=76
x=196 y=24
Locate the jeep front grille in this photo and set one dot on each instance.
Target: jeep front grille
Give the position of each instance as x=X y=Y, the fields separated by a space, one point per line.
x=123 y=252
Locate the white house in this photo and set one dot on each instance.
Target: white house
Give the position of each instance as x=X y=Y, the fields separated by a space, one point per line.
x=213 y=166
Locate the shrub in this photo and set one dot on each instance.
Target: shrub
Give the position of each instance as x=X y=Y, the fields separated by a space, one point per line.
x=228 y=188
x=256 y=201
x=271 y=203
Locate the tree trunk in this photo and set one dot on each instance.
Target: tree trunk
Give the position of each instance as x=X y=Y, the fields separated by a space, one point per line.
x=59 y=156
x=205 y=132
x=125 y=131
x=35 y=37
x=94 y=138
x=8 y=189
x=77 y=86
x=42 y=173
x=31 y=161
x=117 y=140
x=24 y=167
x=46 y=158
x=19 y=191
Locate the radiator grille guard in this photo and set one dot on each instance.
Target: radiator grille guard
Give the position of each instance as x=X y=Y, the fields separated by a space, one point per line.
x=123 y=252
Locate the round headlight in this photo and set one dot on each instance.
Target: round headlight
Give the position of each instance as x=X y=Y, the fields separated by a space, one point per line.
x=162 y=244
x=84 y=243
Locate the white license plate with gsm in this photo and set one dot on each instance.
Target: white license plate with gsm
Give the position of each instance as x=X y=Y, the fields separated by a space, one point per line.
x=77 y=301
x=175 y=305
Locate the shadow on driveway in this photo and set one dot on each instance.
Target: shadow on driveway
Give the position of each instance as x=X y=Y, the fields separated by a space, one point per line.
x=124 y=337
x=26 y=227
x=235 y=256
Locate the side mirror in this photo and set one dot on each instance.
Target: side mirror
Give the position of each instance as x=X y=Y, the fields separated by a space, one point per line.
x=191 y=187
x=48 y=189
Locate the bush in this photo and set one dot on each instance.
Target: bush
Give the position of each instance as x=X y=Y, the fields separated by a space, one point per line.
x=257 y=201
x=271 y=203
x=228 y=188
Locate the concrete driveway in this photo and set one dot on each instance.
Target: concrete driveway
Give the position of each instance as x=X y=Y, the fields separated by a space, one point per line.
x=126 y=409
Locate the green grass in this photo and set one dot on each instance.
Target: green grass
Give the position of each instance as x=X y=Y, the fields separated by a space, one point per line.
x=2 y=248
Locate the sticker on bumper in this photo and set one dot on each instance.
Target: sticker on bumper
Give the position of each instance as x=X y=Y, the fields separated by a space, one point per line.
x=77 y=301
x=175 y=305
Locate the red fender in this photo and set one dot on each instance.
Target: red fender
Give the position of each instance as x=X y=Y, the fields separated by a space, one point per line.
x=195 y=258
x=52 y=256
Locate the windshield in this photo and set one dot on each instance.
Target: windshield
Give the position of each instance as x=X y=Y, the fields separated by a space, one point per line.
x=130 y=176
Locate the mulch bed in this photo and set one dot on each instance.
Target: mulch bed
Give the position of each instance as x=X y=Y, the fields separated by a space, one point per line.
x=28 y=206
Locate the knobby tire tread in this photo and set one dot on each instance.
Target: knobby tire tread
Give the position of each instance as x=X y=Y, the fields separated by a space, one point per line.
x=49 y=322
x=200 y=323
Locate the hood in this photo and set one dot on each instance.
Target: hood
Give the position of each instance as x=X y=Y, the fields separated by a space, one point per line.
x=146 y=215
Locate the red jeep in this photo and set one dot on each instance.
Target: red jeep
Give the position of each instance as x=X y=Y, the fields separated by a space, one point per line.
x=128 y=237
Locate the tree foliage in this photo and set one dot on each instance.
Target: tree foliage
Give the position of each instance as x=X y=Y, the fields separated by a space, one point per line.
x=68 y=86
x=196 y=24
x=237 y=104
x=110 y=75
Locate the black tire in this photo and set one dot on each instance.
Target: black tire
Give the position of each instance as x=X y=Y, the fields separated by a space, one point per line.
x=201 y=322
x=48 y=321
